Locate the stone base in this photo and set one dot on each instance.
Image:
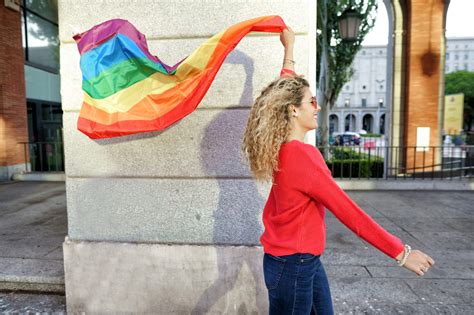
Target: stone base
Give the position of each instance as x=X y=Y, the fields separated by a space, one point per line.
x=7 y=172
x=115 y=277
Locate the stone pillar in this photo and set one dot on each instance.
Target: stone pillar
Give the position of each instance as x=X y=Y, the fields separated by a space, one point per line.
x=13 y=117
x=169 y=222
x=424 y=71
x=396 y=94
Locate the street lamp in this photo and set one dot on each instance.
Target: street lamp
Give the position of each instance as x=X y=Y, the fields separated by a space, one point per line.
x=349 y=22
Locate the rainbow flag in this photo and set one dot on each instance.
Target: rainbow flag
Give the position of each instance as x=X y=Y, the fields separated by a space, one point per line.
x=127 y=90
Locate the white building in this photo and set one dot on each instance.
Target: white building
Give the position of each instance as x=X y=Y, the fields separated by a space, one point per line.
x=361 y=102
x=459 y=54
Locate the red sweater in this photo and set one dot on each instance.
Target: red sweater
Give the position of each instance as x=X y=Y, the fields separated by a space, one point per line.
x=293 y=215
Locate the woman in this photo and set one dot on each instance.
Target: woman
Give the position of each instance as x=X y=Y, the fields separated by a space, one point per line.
x=302 y=187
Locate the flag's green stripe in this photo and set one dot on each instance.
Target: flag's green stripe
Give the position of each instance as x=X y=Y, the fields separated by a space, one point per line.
x=121 y=76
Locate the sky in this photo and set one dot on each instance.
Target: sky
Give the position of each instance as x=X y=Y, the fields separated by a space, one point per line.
x=458 y=23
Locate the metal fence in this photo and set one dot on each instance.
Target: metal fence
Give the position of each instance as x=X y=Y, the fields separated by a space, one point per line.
x=364 y=161
x=43 y=156
x=400 y=162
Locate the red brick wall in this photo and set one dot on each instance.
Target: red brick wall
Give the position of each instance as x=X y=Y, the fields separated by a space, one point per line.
x=13 y=116
x=425 y=29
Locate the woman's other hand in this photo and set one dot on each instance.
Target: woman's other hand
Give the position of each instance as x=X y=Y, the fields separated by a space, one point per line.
x=418 y=262
x=287 y=37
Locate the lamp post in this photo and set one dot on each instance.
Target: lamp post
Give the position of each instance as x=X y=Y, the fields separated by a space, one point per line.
x=349 y=22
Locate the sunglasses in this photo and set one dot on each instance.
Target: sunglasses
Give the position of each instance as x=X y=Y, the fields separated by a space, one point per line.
x=313 y=102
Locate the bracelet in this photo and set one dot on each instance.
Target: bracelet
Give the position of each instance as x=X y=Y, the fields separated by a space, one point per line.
x=292 y=61
x=405 y=255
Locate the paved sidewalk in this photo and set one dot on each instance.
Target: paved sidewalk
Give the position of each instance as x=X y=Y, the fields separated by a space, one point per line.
x=366 y=281
x=33 y=224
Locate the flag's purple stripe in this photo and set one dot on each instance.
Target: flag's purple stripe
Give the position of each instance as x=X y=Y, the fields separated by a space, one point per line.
x=103 y=32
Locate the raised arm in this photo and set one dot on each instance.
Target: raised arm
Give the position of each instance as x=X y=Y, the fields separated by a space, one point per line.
x=287 y=38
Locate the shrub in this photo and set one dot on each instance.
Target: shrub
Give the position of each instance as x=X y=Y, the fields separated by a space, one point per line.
x=345 y=162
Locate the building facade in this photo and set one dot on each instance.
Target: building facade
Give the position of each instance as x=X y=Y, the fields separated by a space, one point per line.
x=30 y=102
x=459 y=54
x=362 y=102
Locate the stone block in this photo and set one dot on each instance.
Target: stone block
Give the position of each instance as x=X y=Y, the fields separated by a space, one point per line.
x=178 y=18
x=163 y=279
x=192 y=211
x=206 y=143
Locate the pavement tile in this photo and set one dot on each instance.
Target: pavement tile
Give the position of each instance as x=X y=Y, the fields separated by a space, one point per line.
x=26 y=303
x=371 y=290
x=444 y=224
x=448 y=239
x=400 y=308
x=435 y=272
x=335 y=271
x=443 y=291
x=27 y=267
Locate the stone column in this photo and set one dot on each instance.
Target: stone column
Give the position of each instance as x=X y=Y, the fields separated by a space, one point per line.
x=169 y=222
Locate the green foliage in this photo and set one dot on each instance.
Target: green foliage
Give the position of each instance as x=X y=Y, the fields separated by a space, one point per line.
x=371 y=135
x=344 y=153
x=345 y=162
x=356 y=168
x=341 y=53
x=462 y=82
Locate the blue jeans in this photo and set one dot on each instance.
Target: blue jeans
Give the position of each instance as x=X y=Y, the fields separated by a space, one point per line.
x=297 y=284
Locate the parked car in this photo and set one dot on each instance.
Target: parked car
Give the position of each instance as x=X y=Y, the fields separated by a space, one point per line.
x=346 y=138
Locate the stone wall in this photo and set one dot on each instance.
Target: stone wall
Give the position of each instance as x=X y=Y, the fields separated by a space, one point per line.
x=169 y=222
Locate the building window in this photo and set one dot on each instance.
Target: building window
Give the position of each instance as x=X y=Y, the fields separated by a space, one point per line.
x=456 y=67
x=381 y=52
x=447 y=67
x=363 y=52
x=348 y=87
x=381 y=86
x=364 y=102
x=40 y=34
x=447 y=56
x=466 y=56
x=363 y=87
x=456 y=57
x=465 y=67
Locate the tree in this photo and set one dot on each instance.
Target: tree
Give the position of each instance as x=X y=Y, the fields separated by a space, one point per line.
x=462 y=82
x=334 y=56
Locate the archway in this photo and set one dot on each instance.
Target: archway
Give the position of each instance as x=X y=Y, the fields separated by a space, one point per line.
x=415 y=74
x=368 y=123
x=350 y=122
x=382 y=124
x=333 y=123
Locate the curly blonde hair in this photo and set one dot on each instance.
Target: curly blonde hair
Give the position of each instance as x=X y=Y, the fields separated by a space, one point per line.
x=268 y=125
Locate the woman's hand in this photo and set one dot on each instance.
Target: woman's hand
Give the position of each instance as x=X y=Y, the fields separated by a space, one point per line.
x=418 y=262
x=287 y=37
